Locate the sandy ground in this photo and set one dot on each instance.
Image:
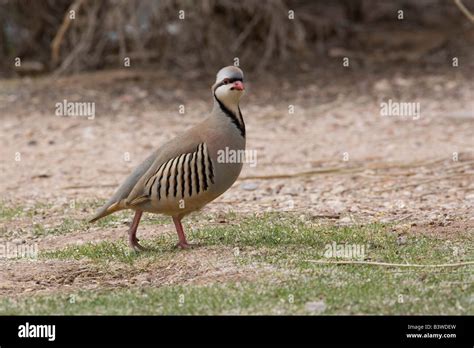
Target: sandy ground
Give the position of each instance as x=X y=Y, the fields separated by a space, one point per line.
x=336 y=158
x=379 y=165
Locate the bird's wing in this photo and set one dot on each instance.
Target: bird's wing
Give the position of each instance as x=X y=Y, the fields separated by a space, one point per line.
x=181 y=145
x=132 y=191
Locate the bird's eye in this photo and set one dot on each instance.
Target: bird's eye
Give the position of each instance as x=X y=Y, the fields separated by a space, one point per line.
x=226 y=81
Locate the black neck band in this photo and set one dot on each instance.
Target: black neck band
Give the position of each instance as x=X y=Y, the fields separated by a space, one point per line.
x=238 y=121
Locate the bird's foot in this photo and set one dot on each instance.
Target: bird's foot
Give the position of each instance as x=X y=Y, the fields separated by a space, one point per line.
x=186 y=245
x=135 y=245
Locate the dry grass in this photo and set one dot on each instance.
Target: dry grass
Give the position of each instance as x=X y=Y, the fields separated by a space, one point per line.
x=184 y=34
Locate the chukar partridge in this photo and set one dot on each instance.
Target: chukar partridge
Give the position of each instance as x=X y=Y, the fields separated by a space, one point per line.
x=184 y=174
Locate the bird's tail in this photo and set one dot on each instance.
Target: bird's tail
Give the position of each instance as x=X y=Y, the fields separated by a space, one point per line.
x=107 y=209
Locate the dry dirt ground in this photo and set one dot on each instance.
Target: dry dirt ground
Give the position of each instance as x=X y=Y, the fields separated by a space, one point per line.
x=336 y=158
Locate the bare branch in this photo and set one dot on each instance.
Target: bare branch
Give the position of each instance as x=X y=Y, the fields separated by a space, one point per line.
x=58 y=39
x=464 y=10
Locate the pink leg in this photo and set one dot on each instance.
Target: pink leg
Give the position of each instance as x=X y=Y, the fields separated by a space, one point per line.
x=132 y=233
x=183 y=243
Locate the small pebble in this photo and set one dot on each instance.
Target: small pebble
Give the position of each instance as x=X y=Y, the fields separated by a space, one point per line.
x=345 y=220
x=249 y=186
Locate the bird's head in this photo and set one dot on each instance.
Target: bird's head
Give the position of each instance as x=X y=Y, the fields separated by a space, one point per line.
x=229 y=85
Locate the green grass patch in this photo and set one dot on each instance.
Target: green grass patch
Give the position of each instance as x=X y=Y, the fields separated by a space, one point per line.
x=8 y=212
x=351 y=291
x=104 y=252
x=11 y=212
x=282 y=245
x=70 y=217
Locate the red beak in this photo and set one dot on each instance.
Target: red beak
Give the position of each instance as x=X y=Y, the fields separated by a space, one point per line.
x=238 y=85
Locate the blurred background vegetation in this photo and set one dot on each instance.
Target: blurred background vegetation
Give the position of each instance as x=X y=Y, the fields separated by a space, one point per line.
x=213 y=32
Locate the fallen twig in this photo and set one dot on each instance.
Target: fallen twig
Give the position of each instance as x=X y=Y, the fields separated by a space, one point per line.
x=388 y=264
x=399 y=187
x=308 y=173
x=86 y=186
x=345 y=170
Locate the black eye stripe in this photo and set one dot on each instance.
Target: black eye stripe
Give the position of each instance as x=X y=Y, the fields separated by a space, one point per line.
x=223 y=82
x=227 y=80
